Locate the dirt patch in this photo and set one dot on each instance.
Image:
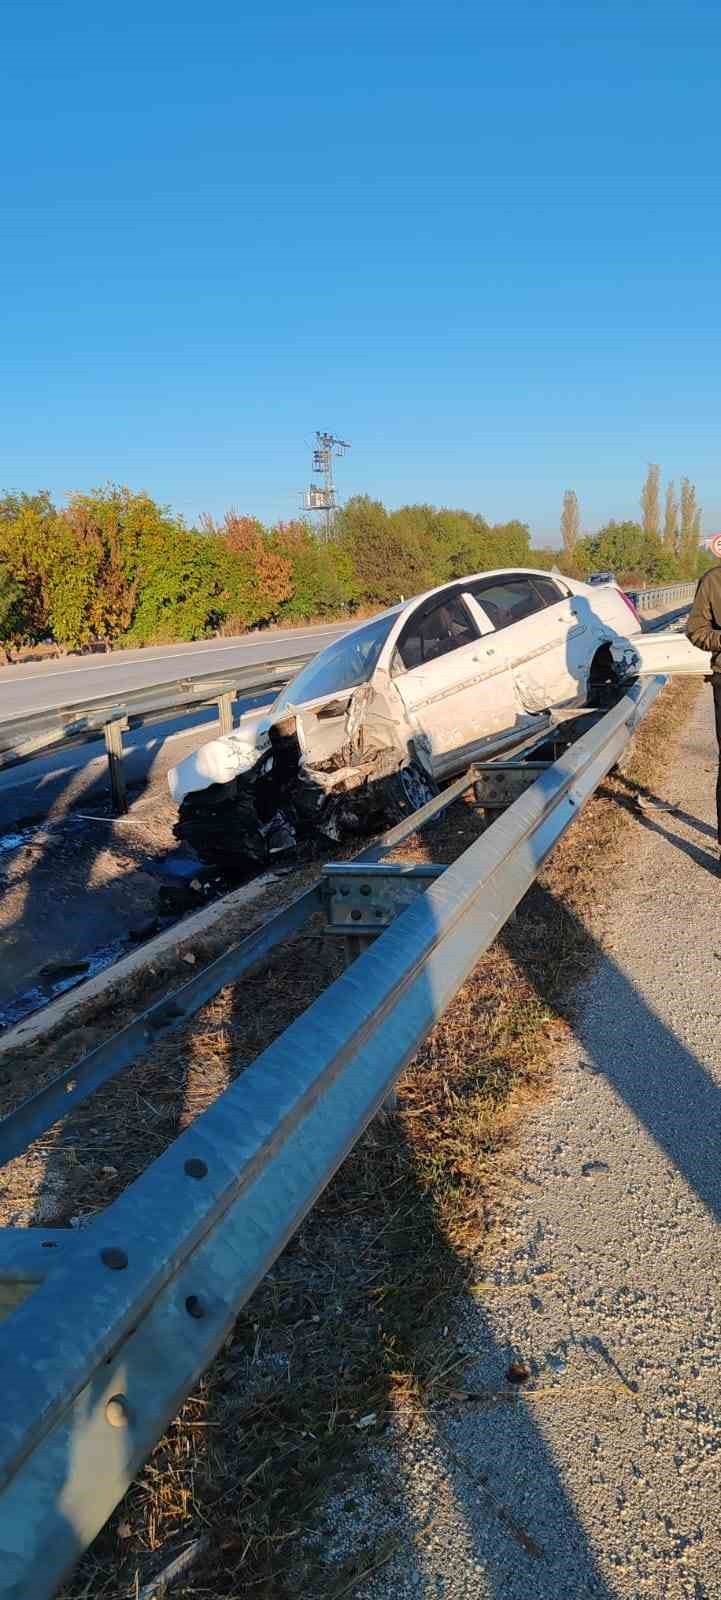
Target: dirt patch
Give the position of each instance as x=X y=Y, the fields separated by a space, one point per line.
x=75 y=886
x=358 y=1317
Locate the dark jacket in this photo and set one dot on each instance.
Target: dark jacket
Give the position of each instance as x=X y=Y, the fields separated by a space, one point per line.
x=704 y=624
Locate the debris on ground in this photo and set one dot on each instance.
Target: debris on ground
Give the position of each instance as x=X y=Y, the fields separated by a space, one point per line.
x=174 y=1570
x=74 y=898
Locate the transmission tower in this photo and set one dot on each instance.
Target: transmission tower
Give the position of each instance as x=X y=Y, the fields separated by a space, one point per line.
x=323 y=499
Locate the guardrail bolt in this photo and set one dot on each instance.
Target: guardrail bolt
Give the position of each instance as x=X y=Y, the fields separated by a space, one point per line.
x=117 y=1412
x=116 y=1259
x=196 y=1168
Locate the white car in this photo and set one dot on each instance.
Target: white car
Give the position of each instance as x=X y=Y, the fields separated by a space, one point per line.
x=420 y=691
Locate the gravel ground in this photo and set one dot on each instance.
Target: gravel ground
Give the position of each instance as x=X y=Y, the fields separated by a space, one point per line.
x=74 y=890
x=599 y=1474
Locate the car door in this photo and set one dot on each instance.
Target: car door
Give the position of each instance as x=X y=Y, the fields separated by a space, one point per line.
x=455 y=684
x=546 y=643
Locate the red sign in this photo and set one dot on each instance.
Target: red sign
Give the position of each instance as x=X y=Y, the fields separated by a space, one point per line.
x=715 y=546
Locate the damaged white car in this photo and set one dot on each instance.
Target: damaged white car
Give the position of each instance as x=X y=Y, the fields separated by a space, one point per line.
x=364 y=732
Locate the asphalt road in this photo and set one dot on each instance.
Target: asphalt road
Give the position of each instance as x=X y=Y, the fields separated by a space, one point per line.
x=42 y=685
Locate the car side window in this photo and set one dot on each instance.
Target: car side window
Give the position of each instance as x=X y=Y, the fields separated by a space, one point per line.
x=432 y=631
x=548 y=590
x=507 y=600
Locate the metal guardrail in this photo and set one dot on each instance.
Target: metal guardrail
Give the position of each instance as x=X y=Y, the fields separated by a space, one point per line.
x=23 y=737
x=110 y=1326
x=668 y=620
x=672 y=594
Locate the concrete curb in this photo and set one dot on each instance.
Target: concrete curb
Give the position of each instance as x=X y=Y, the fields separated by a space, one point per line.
x=33 y=1029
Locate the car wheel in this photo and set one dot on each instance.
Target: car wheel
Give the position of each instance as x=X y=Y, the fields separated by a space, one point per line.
x=406 y=791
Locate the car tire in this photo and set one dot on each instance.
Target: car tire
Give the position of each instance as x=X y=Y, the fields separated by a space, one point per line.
x=406 y=791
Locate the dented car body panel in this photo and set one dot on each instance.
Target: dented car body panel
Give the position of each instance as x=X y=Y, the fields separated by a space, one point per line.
x=425 y=688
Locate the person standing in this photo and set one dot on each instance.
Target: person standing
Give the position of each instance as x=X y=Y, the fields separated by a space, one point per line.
x=704 y=630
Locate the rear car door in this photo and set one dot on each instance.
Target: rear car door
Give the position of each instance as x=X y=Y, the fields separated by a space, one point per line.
x=545 y=642
x=455 y=684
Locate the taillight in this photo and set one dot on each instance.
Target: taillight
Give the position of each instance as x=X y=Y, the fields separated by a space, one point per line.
x=629 y=602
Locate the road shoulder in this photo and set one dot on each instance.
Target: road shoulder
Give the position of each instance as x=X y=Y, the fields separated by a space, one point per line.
x=596 y=1474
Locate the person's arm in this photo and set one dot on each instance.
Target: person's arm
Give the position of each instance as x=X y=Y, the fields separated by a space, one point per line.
x=700 y=628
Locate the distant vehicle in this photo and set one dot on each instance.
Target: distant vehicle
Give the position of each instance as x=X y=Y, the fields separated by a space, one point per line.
x=399 y=703
x=602 y=577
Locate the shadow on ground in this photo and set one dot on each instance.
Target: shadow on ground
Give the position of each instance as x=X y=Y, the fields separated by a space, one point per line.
x=342 y=1376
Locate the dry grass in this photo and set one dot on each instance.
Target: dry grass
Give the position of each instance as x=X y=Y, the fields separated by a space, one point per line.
x=357 y=1317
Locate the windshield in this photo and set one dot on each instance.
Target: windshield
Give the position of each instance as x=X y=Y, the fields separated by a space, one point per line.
x=342 y=665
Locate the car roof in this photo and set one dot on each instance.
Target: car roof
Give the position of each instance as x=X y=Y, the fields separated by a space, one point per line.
x=459 y=584
x=451 y=587
x=408 y=607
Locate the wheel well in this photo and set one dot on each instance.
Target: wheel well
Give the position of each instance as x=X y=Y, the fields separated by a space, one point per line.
x=602 y=667
x=605 y=682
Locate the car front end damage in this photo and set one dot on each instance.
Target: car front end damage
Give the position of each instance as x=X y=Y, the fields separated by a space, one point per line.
x=325 y=773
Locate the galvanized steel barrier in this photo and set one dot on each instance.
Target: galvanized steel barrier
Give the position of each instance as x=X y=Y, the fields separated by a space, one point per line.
x=672 y=594
x=24 y=737
x=108 y=1327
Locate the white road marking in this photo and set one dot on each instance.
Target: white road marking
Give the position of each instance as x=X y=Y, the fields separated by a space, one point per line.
x=116 y=659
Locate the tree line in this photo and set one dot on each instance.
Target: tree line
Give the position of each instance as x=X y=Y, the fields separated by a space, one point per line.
x=656 y=549
x=116 y=566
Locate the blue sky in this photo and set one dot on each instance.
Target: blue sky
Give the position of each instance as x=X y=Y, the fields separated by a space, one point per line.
x=483 y=243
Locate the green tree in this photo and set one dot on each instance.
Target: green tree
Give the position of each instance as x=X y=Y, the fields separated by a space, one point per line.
x=107 y=524
x=545 y=558
x=651 y=501
x=71 y=577
x=458 y=544
x=504 y=544
x=415 y=535
x=10 y=601
x=690 y=531
x=670 y=521
x=56 y=569
x=377 y=555
x=617 y=547
x=634 y=556
x=25 y=524
x=321 y=573
x=183 y=581
x=570 y=521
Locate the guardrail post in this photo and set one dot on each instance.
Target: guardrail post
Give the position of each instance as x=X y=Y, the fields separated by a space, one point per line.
x=225 y=712
x=113 y=732
x=355 y=944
